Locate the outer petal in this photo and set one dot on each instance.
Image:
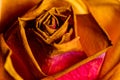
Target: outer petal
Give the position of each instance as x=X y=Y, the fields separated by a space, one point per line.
x=111 y=60
x=21 y=56
x=5 y=53
x=107 y=14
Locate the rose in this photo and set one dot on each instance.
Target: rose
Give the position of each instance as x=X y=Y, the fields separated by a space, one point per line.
x=53 y=26
x=39 y=43
x=54 y=36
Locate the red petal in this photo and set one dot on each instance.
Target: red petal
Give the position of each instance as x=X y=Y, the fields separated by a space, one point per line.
x=62 y=61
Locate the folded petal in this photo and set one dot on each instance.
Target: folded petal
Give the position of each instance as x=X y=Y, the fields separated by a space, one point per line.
x=107 y=14
x=111 y=60
x=92 y=37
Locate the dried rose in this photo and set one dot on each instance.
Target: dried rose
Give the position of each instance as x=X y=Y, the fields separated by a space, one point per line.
x=50 y=38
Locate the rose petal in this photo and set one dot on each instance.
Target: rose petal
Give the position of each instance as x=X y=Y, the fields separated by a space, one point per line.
x=88 y=71
x=59 y=62
x=92 y=37
x=109 y=20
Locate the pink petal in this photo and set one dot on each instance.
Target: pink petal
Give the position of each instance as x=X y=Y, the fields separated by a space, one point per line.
x=88 y=71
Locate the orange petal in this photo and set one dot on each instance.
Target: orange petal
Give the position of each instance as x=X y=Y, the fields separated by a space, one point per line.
x=107 y=14
x=93 y=39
